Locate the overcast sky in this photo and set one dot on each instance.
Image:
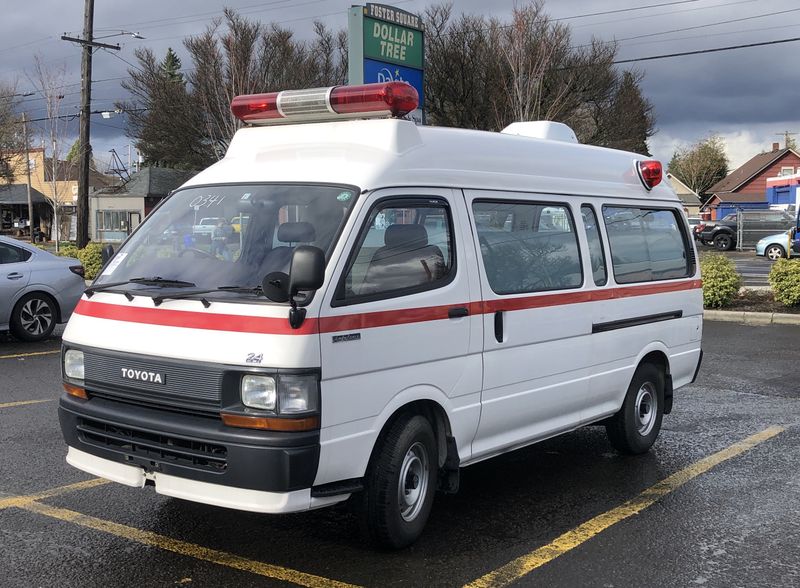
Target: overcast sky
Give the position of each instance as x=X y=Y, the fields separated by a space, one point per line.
x=746 y=95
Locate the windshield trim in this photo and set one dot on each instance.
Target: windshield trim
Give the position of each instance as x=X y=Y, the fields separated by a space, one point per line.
x=222 y=296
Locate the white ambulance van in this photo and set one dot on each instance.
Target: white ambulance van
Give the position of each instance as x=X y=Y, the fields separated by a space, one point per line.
x=397 y=302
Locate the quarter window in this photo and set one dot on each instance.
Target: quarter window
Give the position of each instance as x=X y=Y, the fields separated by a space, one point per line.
x=646 y=244
x=11 y=254
x=596 y=255
x=527 y=247
x=405 y=247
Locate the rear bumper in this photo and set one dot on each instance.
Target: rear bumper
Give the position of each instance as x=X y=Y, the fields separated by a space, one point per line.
x=192 y=457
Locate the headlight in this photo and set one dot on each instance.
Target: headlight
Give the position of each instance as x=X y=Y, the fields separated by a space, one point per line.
x=298 y=393
x=258 y=392
x=73 y=364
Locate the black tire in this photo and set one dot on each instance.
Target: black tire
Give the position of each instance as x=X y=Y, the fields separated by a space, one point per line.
x=774 y=252
x=34 y=317
x=634 y=429
x=723 y=242
x=384 y=520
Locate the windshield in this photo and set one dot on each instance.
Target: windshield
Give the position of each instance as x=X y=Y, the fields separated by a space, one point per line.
x=217 y=236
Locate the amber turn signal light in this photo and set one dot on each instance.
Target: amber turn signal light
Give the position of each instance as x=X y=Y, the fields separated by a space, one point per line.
x=76 y=391
x=270 y=423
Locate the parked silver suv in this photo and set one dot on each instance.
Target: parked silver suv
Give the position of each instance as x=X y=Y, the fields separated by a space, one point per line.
x=37 y=289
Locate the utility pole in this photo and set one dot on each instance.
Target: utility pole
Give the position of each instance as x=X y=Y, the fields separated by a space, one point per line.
x=28 y=171
x=86 y=103
x=787 y=138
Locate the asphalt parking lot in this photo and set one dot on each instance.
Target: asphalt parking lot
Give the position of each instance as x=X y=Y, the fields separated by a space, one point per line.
x=713 y=504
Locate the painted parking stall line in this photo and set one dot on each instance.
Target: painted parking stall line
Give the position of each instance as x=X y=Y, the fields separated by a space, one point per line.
x=19 y=501
x=31 y=354
x=185 y=548
x=25 y=402
x=525 y=564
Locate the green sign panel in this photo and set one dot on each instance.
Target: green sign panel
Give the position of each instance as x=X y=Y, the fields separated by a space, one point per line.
x=392 y=43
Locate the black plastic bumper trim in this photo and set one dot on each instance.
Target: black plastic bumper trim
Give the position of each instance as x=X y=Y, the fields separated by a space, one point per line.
x=697 y=369
x=254 y=460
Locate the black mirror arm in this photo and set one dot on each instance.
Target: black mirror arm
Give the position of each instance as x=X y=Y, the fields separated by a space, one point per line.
x=296 y=315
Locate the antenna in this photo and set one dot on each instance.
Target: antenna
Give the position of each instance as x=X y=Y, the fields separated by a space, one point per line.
x=787 y=137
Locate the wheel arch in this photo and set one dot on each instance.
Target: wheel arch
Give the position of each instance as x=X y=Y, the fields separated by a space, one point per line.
x=657 y=355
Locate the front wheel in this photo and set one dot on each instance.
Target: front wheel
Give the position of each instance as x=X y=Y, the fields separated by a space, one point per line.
x=723 y=242
x=634 y=428
x=774 y=252
x=400 y=483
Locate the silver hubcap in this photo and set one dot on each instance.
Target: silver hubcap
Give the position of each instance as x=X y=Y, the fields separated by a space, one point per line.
x=646 y=401
x=412 y=486
x=36 y=316
x=774 y=253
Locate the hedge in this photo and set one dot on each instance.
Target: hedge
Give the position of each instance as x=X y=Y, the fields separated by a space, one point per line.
x=784 y=277
x=721 y=282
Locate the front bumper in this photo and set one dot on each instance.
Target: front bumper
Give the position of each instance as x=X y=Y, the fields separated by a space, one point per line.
x=191 y=456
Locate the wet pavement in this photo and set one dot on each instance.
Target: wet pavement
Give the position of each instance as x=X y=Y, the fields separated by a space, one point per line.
x=735 y=524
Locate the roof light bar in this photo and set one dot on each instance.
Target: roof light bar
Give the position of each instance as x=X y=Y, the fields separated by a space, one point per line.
x=650 y=173
x=317 y=104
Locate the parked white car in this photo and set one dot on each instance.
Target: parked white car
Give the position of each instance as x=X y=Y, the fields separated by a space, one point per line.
x=37 y=289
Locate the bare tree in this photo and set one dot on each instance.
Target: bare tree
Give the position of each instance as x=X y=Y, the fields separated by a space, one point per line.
x=700 y=165
x=49 y=82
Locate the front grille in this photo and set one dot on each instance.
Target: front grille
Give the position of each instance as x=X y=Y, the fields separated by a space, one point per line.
x=187 y=386
x=154 y=447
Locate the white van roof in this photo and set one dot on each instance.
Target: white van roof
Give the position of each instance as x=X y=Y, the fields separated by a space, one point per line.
x=380 y=153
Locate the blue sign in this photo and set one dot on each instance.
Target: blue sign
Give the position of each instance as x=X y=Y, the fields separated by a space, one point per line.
x=378 y=71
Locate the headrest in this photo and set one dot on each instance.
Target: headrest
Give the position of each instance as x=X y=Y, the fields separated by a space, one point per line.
x=296 y=233
x=398 y=236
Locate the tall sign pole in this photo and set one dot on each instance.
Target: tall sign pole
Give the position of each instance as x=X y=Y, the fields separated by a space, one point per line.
x=386 y=44
x=28 y=172
x=82 y=236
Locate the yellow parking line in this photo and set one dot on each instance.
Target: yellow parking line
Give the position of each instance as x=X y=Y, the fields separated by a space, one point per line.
x=20 y=501
x=24 y=402
x=31 y=354
x=184 y=548
x=523 y=565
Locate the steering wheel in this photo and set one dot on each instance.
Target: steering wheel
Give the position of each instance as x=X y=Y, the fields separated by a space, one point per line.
x=198 y=252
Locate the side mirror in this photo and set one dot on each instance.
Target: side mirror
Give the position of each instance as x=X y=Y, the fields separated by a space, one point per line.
x=306 y=272
x=106 y=253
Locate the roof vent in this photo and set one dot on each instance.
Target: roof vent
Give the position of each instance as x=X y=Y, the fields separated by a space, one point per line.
x=542 y=129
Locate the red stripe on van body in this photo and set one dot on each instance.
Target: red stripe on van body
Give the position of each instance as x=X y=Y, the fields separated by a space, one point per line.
x=368 y=320
x=194 y=320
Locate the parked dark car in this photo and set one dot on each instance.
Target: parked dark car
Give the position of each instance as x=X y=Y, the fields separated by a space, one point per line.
x=723 y=233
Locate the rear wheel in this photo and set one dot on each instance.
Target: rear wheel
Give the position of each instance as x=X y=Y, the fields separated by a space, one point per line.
x=723 y=242
x=774 y=252
x=400 y=483
x=33 y=317
x=634 y=428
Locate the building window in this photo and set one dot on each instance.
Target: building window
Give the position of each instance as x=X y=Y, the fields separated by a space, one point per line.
x=113 y=225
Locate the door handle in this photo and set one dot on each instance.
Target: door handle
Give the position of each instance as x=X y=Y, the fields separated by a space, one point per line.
x=458 y=312
x=14 y=276
x=498 y=326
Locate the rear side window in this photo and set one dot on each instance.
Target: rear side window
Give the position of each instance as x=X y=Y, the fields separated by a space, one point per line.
x=11 y=254
x=596 y=255
x=406 y=247
x=646 y=244
x=527 y=247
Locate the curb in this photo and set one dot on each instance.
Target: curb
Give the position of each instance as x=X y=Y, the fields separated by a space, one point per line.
x=752 y=318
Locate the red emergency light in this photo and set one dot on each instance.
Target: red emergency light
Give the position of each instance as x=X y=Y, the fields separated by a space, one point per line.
x=317 y=104
x=650 y=173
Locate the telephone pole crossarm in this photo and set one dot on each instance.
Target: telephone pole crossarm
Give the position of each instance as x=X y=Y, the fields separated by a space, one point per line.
x=90 y=43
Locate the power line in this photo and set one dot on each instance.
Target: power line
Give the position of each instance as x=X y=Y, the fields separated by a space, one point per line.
x=624 y=10
x=702 y=51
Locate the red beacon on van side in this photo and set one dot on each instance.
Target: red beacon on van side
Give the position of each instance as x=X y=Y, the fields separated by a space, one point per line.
x=650 y=172
x=317 y=104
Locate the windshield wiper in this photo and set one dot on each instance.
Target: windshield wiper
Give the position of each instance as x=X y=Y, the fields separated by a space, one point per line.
x=157 y=300
x=153 y=281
